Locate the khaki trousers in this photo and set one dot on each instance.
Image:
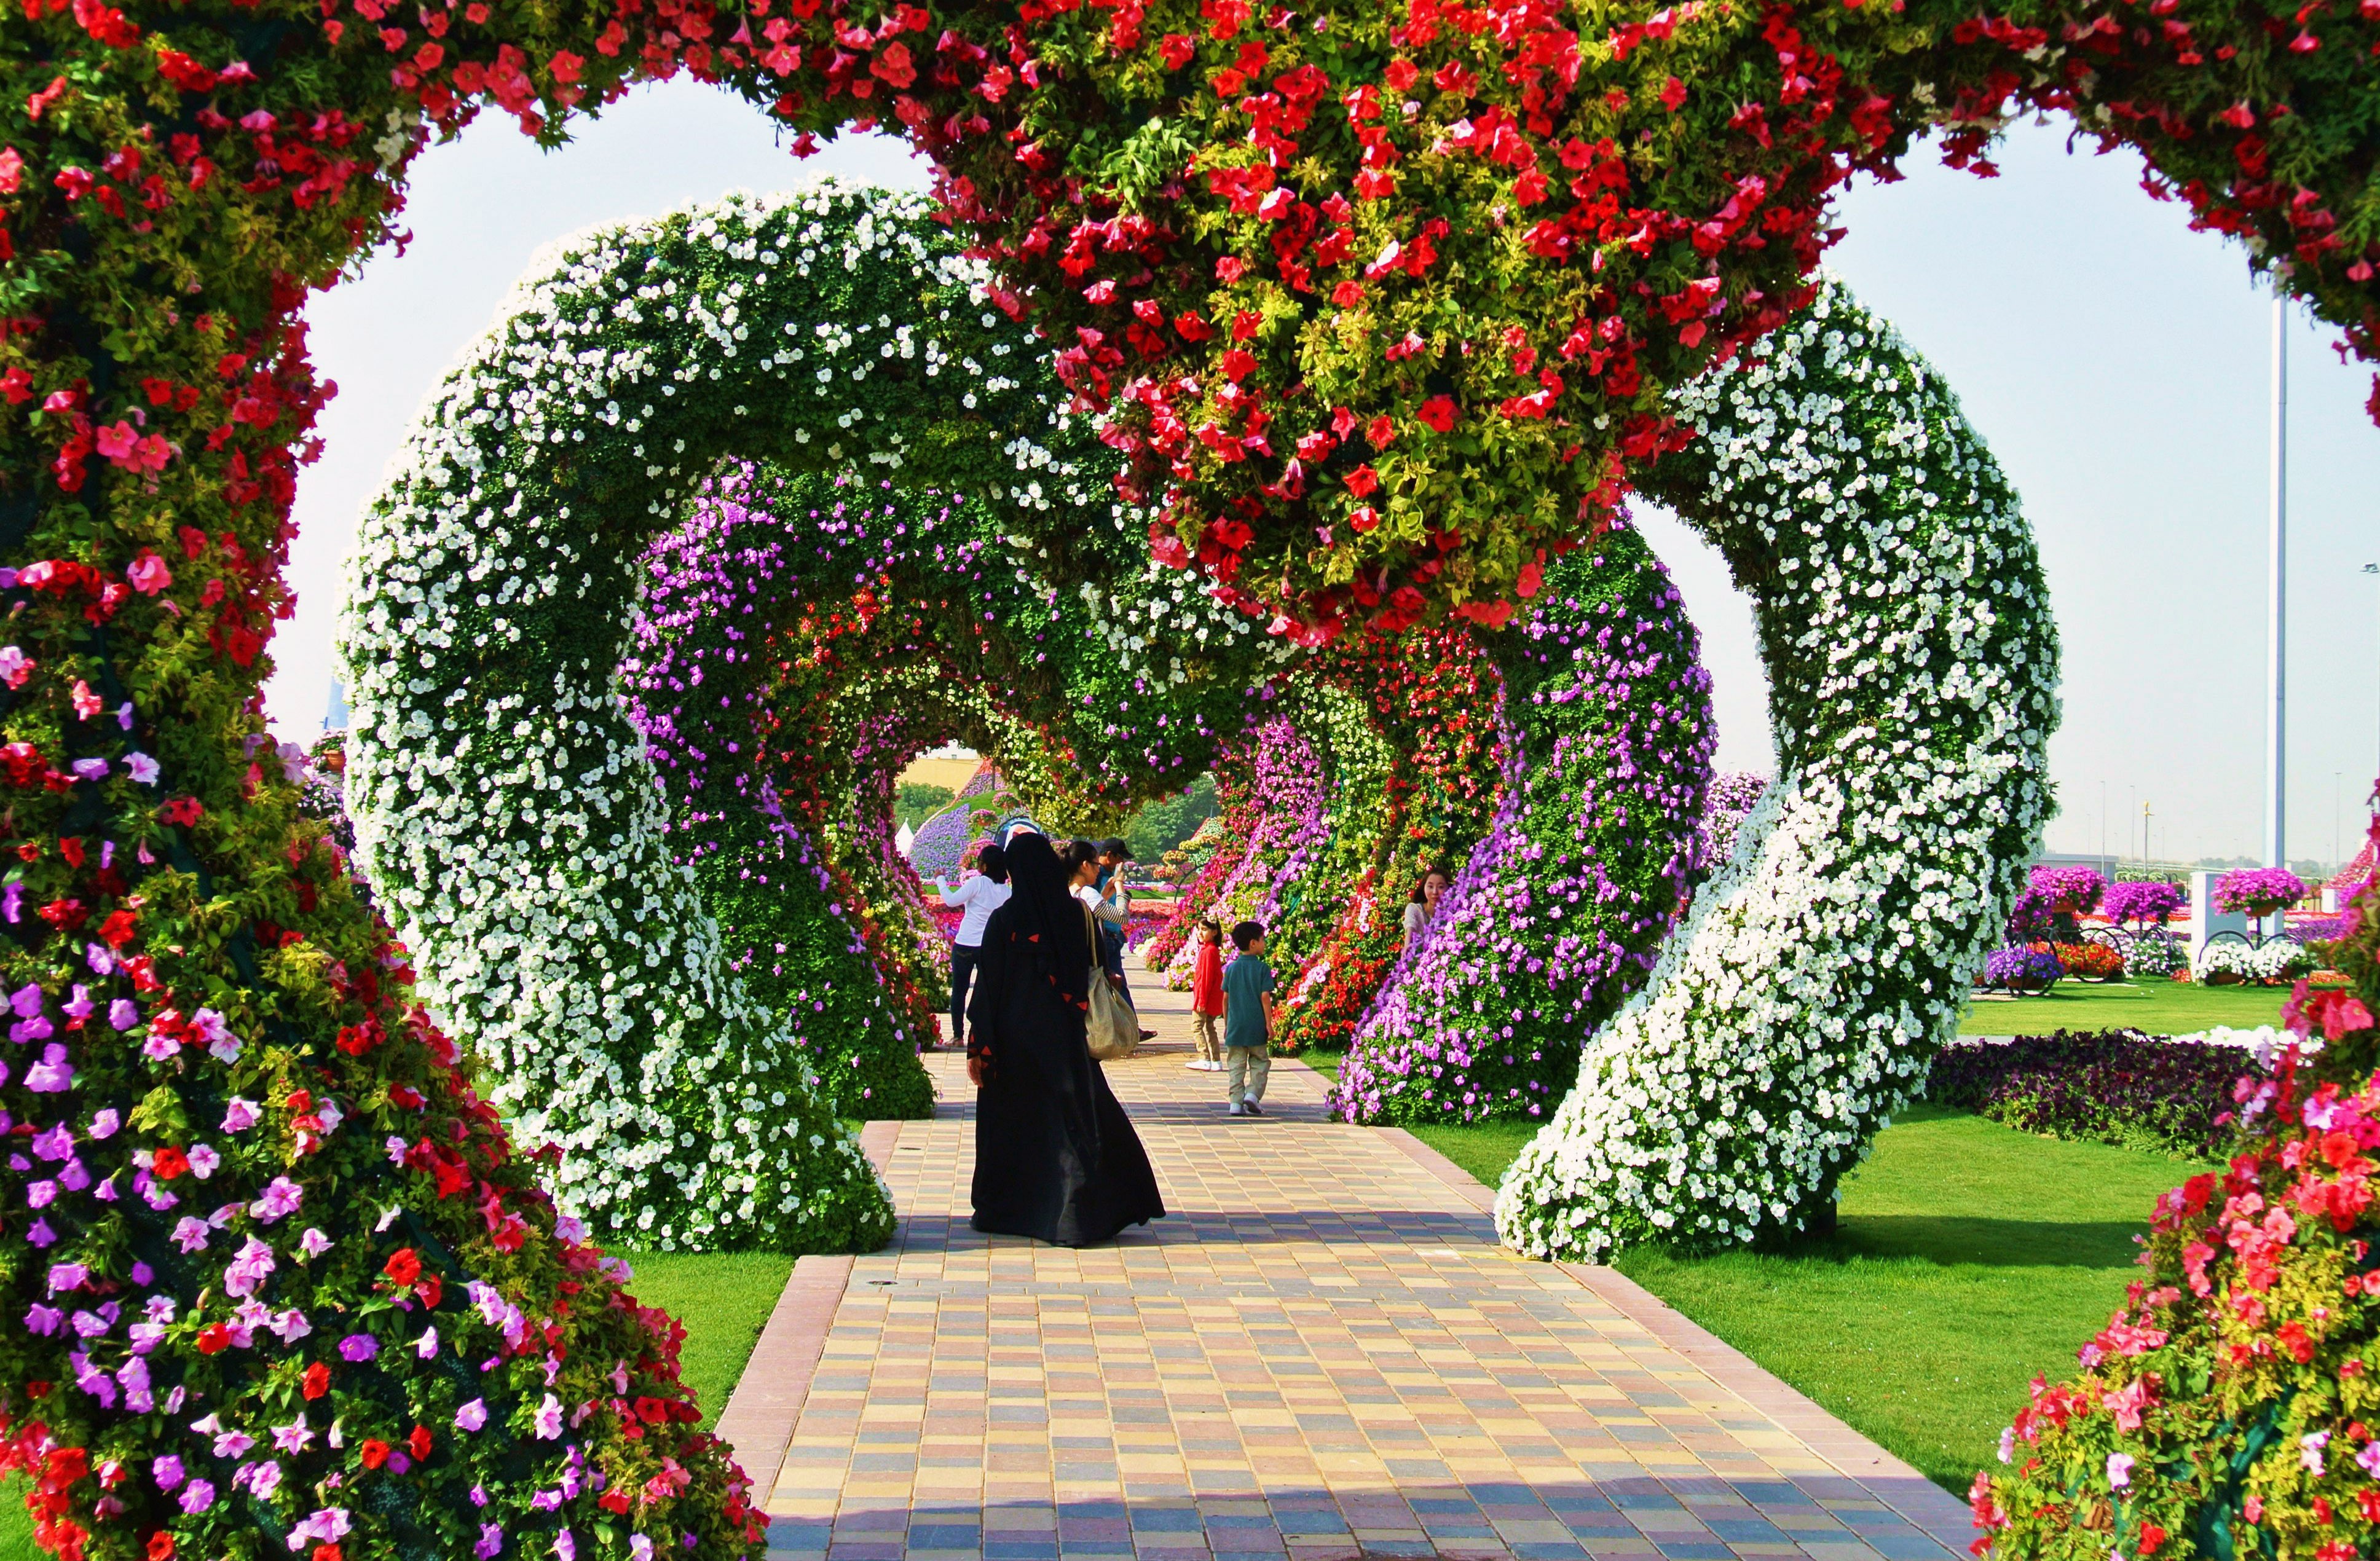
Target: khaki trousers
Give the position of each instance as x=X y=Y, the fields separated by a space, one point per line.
x=1210 y=1038
x=1251 y=1066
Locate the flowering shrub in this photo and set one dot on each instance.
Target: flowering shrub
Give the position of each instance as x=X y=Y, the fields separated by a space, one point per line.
x=1557 y=913
x=2022 y=969
x=1732 y=796
x=2117 y=1086
x=2155 y=958
x=2259 y=891
x=1911 y=658
x=2089 y=962
x=2229 y=1406
x=2141 y=905
x=2273 y=961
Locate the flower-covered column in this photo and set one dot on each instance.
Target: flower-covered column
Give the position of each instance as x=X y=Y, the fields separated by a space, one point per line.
x=1913 y=664
x=506 y=805
x=1557 y=913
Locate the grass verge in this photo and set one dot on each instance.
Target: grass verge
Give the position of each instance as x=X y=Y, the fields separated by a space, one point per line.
x=2160 y=1007
x=724 y=1300
x=1968 y=1259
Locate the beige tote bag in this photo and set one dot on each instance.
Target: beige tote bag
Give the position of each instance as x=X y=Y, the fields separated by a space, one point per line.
x=1111 y=1026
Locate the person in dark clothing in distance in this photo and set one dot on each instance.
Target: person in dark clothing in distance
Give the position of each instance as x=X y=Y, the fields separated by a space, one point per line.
x=1056 y=1157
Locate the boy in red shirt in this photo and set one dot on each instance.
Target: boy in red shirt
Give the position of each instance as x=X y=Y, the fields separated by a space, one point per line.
x=1206 y=996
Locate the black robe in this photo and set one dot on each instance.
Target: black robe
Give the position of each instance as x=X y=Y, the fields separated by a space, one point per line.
x=1055 y=1156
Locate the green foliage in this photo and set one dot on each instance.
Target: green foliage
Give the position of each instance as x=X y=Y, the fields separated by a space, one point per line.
x=914 y=801
x=1161 y=825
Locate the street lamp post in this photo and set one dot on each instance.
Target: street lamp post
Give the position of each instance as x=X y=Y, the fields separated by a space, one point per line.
x=2373 y=569
x=2276 y=645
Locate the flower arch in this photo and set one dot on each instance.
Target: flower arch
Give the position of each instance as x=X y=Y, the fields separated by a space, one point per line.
x=1912 y=662
x=506 y=807
x=1555 y=917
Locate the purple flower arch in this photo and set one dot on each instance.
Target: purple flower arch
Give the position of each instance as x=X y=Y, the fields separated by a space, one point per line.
x=1560 y=909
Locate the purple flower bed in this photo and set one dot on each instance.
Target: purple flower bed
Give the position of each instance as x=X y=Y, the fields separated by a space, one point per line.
x=2114 y=1087
x=2137 y=905
x=2258 y=890
x=936 y=847
x=1732 y=797
x=2022 y=969
x=1559 y=912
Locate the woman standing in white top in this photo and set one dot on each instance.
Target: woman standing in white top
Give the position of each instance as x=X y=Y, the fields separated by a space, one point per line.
x=979 y=897
x=1423 y=907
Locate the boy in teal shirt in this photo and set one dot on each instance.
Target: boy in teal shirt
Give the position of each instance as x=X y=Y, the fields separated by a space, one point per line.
x=1247 y=1020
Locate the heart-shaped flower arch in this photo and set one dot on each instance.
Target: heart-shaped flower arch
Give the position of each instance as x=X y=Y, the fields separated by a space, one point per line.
x=507 y=812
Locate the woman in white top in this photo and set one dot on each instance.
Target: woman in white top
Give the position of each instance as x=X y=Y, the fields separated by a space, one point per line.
x=1423 y=906
x=979 y=897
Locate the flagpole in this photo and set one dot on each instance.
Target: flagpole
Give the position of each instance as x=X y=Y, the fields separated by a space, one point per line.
x=2276 y=645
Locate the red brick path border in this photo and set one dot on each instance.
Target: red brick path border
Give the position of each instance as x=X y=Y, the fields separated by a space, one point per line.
x=767 y=1404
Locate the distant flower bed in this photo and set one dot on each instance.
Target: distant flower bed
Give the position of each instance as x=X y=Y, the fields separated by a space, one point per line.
x=935 y=850
x=2021 y=970
x=2089 y=962
x=2265 y=964
x=2151 y=959
x=2116 y=1087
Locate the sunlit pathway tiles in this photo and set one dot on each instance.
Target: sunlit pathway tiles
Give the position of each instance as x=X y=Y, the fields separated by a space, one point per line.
x=1322 y=1352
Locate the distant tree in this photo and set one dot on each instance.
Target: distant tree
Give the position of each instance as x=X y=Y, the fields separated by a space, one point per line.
x=914 y=801
x=1167 y=822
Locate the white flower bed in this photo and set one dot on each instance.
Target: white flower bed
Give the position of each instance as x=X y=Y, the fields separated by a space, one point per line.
x=1912 y=662
x=506 y=809
x=2275 y=959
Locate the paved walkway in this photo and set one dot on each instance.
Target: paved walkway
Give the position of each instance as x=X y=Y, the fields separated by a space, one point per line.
x=1321 y=1353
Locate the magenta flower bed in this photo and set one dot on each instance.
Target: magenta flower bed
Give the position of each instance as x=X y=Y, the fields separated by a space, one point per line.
x=2114 y=1087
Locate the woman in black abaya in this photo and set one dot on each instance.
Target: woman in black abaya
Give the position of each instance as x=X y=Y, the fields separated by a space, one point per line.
x=1055 y=1156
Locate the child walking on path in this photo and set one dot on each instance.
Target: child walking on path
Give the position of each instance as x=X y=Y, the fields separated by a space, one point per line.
x=1206 y=996
x=1247 y=1020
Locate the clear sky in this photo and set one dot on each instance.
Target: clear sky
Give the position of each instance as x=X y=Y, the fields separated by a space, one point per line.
x=2116 y=362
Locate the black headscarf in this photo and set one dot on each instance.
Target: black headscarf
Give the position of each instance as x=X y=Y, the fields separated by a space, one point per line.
x=1046 y=932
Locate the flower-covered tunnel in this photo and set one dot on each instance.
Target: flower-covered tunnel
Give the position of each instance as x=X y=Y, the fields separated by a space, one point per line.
x=659 y=476
x=1382 y=313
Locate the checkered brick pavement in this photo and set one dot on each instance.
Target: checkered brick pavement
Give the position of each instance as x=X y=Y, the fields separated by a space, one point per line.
x=1321 y=1353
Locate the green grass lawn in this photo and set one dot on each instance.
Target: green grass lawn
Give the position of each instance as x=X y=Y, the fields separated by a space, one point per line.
x=723 y=1300
x=2161 y=1007
x=1968 y=1258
